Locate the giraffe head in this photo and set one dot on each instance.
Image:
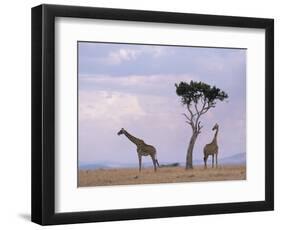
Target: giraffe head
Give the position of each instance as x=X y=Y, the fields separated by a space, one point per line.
x=215 y=127
x=121 y=131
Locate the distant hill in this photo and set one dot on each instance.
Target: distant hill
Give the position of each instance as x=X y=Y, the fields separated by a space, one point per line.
x=235 y=159
x=107 y=165
x=239 y=158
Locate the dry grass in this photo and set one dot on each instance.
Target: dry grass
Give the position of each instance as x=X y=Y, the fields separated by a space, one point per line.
x=101 y=177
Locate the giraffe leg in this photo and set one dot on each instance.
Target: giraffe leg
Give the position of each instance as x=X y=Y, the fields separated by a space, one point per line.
x=216 y=160
x=157 y=163
x=213 y=161
x=205 y=161
x=154 y=163
x=139 y=162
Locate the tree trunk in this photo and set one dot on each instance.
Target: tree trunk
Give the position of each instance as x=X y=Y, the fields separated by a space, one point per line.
x=189 y=161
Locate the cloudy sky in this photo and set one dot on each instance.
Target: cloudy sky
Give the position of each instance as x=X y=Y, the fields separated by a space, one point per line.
x=132 y=86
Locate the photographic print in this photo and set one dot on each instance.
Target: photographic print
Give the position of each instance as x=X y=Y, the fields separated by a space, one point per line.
x=161 y=104
x=150 y=114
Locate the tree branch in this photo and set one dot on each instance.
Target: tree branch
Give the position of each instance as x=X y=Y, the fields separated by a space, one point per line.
x=191 y=117
x=189 y=123
x=191 y=113
x=199 y=127
x=195 y=105
x=186 y=117
x=205 y=110
x=196 y=122
x=203 y=106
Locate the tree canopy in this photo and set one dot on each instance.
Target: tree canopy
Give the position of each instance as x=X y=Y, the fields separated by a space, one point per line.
x=195 y=91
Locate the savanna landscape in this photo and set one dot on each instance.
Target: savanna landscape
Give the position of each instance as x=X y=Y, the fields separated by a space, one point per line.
x=129 y=176
x=145 y=108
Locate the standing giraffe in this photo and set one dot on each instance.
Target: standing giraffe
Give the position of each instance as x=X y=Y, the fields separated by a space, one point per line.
x=212 y=148
x=143 y=149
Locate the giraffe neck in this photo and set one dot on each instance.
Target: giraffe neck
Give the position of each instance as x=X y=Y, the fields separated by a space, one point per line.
x=215 y=136
x=133 y=139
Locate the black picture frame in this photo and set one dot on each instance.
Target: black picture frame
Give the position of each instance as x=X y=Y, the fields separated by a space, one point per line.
x=43 y=114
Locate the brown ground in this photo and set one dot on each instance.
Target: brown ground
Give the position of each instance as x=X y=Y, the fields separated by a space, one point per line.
x=127 y=176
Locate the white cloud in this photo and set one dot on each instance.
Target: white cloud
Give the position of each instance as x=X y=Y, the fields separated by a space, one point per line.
x=125 y=109
x=121 y=55
x=133 y=98
x=108 y=106
x=157 y=51
x=155 y=81
x=128 y=54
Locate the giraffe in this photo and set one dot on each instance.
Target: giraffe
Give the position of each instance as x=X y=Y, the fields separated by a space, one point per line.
x=143 y=149
x=212 y=148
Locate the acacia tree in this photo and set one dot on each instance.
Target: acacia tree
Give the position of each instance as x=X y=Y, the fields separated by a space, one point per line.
x=198 y=97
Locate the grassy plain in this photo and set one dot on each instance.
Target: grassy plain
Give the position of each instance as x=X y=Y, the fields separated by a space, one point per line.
x=126 y=176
